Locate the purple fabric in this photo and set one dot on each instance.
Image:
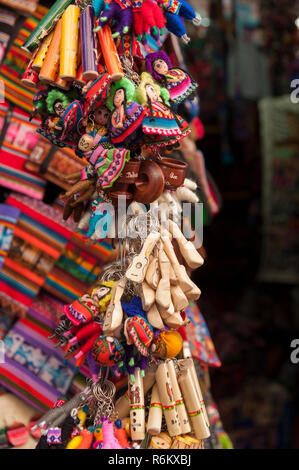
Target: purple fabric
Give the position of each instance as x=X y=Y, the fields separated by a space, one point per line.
x=149 y=62
x=123 y=17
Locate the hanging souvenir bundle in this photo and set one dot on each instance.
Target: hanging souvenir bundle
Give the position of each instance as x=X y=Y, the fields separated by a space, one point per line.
x=105 y=91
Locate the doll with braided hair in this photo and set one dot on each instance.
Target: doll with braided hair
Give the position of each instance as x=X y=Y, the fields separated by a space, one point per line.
x=179 y=84
x=161 y=125
x=127 y=115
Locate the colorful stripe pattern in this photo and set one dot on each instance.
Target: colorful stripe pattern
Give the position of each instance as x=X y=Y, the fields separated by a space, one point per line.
x=201 y=344
x=19 y=140
x=77 y=268
x=15 y=63
x=37 y=243
x=33 y=368
x=8 y=219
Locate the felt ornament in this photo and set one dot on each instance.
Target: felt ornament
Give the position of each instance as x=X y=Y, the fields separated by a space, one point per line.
x=167 y=345
x=179 y=83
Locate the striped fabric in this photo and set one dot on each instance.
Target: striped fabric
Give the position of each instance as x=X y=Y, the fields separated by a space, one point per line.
x=77 y=268
x=6 y=320
x=201 y=344
x=39 y=238
x=8 y=219
x=7 y=22
x=33 y=368
x=16 y=61
x=18 y=143
x=3 y=111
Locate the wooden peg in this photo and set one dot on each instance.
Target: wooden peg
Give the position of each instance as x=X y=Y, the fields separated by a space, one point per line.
x=137 y=269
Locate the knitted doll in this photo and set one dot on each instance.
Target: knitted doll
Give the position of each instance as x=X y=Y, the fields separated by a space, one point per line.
x=174 y=11
x=121 y=12
x=127 y=115
x=148 y=18
x=161 y=125
x=179 y=83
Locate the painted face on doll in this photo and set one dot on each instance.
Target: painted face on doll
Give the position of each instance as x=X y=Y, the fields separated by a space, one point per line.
x=119 y=97
x=58 y=108
x=85 y=143
x=151 y=93
x=101 y=116
x=101 y=292
x=160 y=67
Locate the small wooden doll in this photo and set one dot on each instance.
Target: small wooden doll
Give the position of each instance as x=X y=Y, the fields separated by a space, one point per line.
x=179 y=83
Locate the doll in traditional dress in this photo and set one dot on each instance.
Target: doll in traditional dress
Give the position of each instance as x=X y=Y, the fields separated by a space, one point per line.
x=56 y=102
x=161 y=125
x=179 y=83
x=127 y=115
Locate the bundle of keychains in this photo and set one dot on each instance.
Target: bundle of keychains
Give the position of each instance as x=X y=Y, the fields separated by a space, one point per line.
x=108 y=91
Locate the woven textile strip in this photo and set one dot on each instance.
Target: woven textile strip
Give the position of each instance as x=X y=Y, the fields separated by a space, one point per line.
x=15 y=63
x=33 y=368
x=77 y=268
x=39 y=238
x=201 y=344
x=19 y=140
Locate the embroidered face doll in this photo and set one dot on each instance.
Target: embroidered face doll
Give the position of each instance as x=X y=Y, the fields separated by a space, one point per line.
x=161 y=126
x=179 y=83
x=127 y=115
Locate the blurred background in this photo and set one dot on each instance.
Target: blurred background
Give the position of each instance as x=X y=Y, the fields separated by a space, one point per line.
x=245 y=57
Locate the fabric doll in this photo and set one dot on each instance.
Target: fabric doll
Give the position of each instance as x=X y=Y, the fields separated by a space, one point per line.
x=174 y=11
x=148 y=18
x=121 y=12
x=160 y=124
x=56 y=101
x=127 y=115
x=179 y=83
